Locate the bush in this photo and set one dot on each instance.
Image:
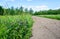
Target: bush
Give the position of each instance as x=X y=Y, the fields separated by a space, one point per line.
x=15 y=27
x=1 y=10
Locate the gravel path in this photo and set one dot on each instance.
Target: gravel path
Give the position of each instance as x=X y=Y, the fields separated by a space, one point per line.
x=44 y=28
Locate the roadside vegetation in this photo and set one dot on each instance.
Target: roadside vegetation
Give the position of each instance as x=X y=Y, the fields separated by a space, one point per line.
x=15 y=23
x=51 y=16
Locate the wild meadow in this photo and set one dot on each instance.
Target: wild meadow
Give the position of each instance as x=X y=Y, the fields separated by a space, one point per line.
x=15 y=27
x=15 y=24
x=52 y=14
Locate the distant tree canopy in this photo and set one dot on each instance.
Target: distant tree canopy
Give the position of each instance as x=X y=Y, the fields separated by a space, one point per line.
x=31 y=11
x=26 y=10
x=21 y=10
x=1 y=10
x=13 y=11
x=48 y=12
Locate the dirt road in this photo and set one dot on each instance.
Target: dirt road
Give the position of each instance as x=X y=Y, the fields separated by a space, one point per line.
x=44 y=28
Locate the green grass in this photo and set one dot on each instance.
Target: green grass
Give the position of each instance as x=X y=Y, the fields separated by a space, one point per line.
x=51 y=16
x=16 y=27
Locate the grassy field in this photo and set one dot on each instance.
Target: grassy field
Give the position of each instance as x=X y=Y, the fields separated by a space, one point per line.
x=51 y=16
x=16 y=27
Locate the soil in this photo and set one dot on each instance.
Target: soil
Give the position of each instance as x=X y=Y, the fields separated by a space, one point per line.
x=44 y=28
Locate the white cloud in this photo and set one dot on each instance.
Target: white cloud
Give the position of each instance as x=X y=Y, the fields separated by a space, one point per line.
x=57 y=8
x=37 y=8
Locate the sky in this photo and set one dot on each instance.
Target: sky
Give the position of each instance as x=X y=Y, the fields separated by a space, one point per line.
x=36 y=5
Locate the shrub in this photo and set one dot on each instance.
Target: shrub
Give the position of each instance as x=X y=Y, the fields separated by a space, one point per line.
x=15 y=27
x=1 y=10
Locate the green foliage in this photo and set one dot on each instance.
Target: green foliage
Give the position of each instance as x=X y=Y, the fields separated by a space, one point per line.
x=51 y=16
x=21 y=10
x=31 y=11
x=48 y=12
x=26 y=10
x=15 y=27
x=1 y=10
x=15 y=11
x=12 y=11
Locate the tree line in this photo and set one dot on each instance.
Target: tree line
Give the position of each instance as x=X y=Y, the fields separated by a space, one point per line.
x=21 y=10
x=48 y=12
x=15 y=11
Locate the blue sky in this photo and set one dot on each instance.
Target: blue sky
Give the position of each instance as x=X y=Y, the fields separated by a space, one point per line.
x=34 y=4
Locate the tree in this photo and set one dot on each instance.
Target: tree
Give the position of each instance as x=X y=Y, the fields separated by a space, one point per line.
x=12 y=11
x=7 y=11
x=1 y=10
x=31 y=11
x=26 y=10
x=58 y=11
x=21 y=9
x=17 y=11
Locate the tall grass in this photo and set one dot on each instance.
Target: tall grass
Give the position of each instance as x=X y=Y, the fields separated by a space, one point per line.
x=15 y=27
x=51 y=16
